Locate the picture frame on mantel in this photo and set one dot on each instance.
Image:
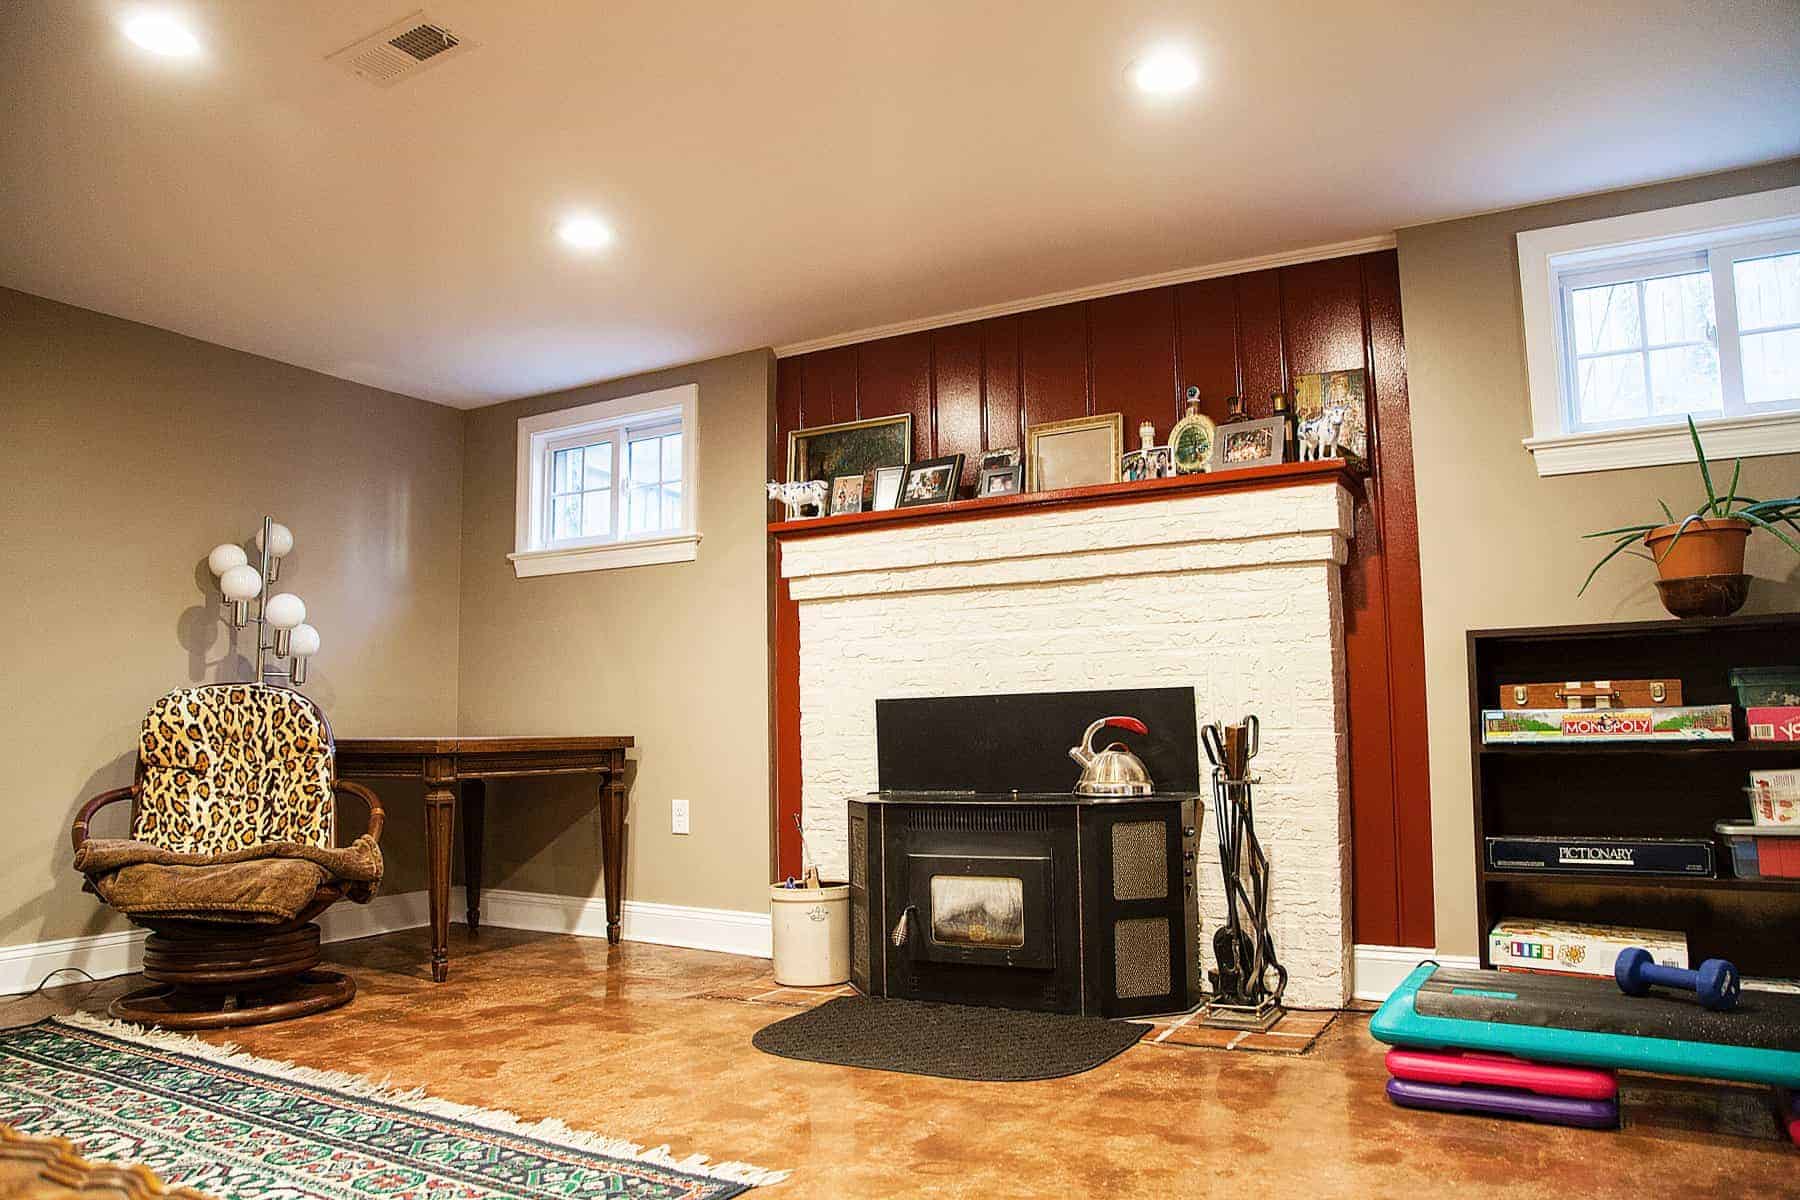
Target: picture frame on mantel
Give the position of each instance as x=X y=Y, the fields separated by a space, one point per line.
x=826 y=452
x=1076 y=453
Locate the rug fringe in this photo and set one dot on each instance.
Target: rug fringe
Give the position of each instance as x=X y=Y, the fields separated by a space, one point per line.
x=550 y=1129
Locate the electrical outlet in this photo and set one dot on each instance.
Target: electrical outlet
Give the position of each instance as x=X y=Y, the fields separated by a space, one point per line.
x=678 y=816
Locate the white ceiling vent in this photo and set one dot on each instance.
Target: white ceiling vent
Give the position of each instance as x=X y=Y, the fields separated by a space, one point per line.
x=400 y=51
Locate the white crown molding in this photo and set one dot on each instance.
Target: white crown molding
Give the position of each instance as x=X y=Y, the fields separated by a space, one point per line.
x=1239 y=266
x=1378 y=970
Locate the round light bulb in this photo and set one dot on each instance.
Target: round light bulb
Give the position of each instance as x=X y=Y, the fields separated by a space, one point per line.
x=584 y=231
x=285 y=610
x=1165 y=72
x=241 y=582
x=161 y=33
x=225 y=556
x=281 y=540
x=303 y=642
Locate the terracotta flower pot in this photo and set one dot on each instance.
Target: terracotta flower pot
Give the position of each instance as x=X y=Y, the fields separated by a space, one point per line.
x=1708 y=547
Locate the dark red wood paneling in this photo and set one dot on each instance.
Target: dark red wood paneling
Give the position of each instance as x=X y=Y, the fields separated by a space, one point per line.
x=1249 y=334
x=787 y=410
x=1208 y=349
x=828 y=386
x=1133 y=338
x=1003 y=385
x=1391 y=424
x=894 y=377
x=1262 y=359
x=1053 y=354
x=956 y=354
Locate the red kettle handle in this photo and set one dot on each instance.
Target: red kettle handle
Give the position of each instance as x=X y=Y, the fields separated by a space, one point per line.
x=1131 y=723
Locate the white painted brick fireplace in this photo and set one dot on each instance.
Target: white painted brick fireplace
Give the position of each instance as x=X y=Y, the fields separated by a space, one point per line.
x=1233 y=593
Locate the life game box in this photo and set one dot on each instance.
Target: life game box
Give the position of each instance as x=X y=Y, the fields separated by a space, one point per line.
x=1566 y=948
x=1704 y=723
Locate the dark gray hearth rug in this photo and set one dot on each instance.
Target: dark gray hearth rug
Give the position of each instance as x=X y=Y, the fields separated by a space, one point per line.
x=953 y=1041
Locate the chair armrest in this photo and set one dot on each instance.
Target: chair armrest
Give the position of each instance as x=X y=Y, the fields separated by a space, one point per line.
x=369 y=799
x=78 y=833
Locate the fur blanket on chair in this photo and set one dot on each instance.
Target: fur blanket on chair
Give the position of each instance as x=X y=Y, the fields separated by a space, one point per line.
x=264 y=884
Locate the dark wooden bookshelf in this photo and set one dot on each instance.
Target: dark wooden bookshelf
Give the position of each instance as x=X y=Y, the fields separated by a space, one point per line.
x=1633 y=789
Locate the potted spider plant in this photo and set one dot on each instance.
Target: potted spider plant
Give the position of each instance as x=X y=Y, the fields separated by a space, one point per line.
x=1700 y=557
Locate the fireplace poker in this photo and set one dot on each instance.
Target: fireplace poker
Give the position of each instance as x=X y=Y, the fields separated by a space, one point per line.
x=1242 y=946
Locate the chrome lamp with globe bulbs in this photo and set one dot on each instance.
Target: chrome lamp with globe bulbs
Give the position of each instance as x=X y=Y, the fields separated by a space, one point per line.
x=284 y=613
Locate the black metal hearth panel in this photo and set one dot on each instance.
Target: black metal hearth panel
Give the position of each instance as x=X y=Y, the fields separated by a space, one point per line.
x=1020 y=742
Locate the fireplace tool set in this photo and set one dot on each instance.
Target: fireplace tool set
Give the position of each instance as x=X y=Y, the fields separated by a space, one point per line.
x=1248 y=979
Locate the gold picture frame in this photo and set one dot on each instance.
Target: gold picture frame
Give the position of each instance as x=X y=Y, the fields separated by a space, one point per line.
x=850 y=448
x=1075 y=453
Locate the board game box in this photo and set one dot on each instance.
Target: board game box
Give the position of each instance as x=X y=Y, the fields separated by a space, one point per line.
x=1704 y=722
x=1568 y=948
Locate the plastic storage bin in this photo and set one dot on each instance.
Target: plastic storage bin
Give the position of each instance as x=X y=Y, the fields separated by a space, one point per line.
x=1761 y=851
x=1767 y=687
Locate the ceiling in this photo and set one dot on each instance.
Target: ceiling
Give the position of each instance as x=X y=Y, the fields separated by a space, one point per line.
x=782 y=170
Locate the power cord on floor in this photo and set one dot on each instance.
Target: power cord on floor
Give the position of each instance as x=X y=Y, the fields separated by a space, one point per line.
x=45 y=982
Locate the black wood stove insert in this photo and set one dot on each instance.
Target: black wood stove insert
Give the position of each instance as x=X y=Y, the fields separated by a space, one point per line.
x=1036 y=898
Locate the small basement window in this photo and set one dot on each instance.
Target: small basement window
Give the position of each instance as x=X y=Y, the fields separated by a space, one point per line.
x=608 y=485
x=1635 y=323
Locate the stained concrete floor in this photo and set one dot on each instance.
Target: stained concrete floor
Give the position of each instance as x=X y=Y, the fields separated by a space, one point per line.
x=615 y=1040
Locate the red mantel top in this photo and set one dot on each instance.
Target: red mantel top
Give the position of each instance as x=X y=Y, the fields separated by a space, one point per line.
x=1245 y=480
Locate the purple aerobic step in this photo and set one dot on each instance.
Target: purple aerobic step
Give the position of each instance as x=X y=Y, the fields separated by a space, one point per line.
x=1504 y=1102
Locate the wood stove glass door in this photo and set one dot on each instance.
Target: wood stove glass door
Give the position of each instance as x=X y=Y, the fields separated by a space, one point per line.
x=983 y=909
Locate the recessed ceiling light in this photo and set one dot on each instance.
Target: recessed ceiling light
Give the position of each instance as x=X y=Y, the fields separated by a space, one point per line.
x=162 y=34
x=584 y=231
x=1165 y=72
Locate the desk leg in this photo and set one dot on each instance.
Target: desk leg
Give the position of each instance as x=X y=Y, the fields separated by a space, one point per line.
x=474 y=806
x=440 y=817
x=612 y=843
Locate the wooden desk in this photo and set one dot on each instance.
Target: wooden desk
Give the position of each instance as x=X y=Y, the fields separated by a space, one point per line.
x=447 y=763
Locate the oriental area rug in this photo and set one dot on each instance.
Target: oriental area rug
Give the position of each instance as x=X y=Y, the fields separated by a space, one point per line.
x=243 y=1128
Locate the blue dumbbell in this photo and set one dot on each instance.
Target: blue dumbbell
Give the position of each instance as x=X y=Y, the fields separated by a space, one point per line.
x=1715 y=983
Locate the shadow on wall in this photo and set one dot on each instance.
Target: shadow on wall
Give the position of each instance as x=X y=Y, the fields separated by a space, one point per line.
x=550 y=843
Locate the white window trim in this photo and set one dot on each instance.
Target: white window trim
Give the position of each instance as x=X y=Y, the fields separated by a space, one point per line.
x=530 y=557
x=1543 y=253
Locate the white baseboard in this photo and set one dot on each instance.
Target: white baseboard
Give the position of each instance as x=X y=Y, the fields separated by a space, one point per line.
x=102 y=955
x=729 y=931
x=1378 y=970
x=121 y=952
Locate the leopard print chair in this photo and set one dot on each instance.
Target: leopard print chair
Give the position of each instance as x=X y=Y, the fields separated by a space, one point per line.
x=232 y=853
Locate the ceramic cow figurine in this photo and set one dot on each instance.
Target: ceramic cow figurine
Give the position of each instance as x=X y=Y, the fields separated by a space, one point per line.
x=809 y=493
x=1318 y=436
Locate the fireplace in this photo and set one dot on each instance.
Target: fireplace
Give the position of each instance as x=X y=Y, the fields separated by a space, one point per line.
x=1026 y=898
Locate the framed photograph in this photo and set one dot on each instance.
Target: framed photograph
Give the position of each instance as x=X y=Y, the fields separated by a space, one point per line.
x=1348 y=390
x=932 y=481
x=852 y=448
x=1248 y=444
x=1151 y=462
x=1001 y=480
x=1008 y=457
x=887 y=487
x=1131 y=466
x=846 y=494
x=1066 y=454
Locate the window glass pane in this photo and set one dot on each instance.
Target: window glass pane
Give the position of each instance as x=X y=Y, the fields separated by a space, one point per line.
x=645 y=460
x=1612 y=388
x=599 y=467
x=1685 y=379
x=596 y=513
x=566 y=514
x=565 y=471
x=1678 y=308
x=1605 y=318
x=1771 y=366
x=671 y=456
x=1768 y=291
x=642 y=511
x=671 y=506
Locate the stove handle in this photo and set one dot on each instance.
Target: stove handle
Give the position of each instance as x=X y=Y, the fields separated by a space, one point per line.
x=903 y=927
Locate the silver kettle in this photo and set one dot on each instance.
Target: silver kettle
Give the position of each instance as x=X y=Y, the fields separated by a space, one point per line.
x=1114 y=771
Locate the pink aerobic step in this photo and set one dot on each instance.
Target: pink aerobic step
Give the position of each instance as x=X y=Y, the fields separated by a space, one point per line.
x=1504 y=1071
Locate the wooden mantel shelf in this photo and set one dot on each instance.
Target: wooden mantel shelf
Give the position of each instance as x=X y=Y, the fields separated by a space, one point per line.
x=1248 y=479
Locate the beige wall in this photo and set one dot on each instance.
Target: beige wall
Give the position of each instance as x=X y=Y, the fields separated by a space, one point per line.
x=675 y=655
x=126 y=453
x=1498 y=545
